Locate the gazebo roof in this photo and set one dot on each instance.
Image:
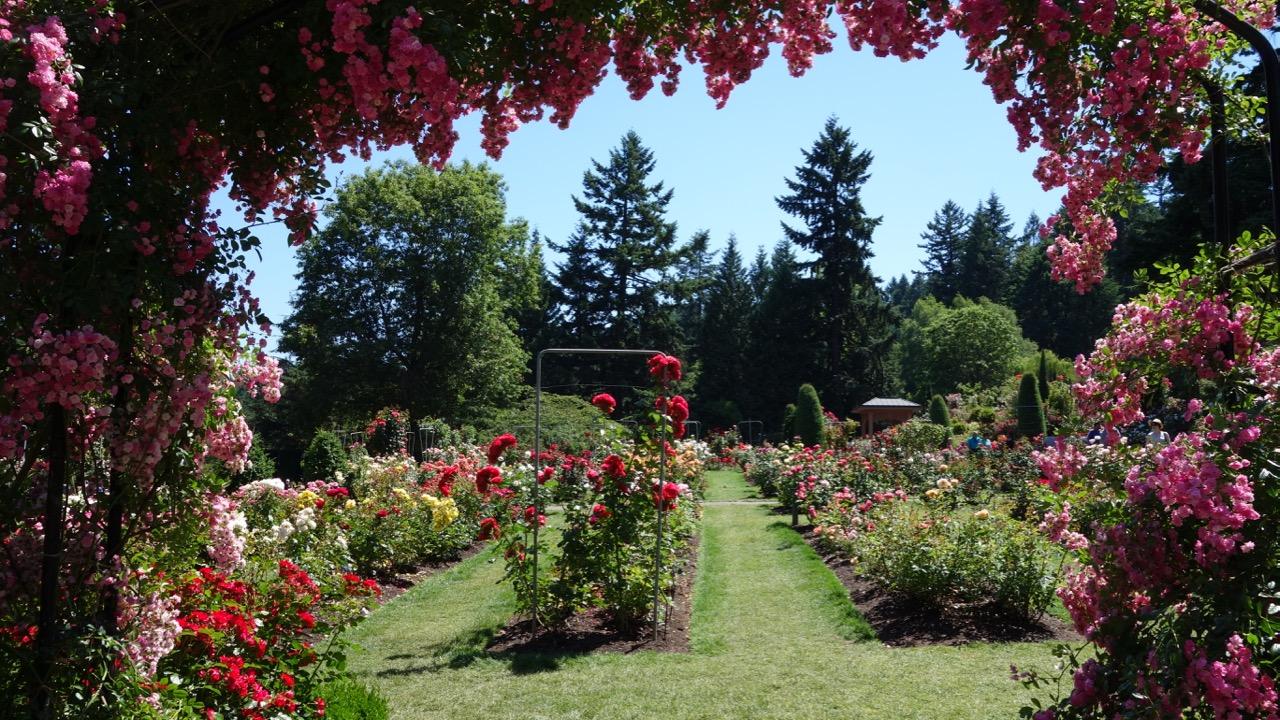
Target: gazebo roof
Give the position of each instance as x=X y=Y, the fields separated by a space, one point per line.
x=887 y=403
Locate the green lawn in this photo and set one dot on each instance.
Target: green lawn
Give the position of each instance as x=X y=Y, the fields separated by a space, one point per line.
x=773 y=636
x=728 y=485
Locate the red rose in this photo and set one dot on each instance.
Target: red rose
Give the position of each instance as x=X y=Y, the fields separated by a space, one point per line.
x=678 y=409
x=598 y=512
x=383 y=513
x=614 y=467
x=530 y=513
x=489 y=529
x=500 y=445
x=488 y=475
x=605 y=403
x=665 y=496
x=546 y=474
x=307 y=618
x=664 y=368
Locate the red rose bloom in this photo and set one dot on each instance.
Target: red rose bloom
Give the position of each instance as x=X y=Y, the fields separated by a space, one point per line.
x=665 y=496
x=383 y=513
x=546 y=474
x=530 y=513
x=614 y=467
x=488 y=475
x=598 y=512
x=489 y=529
x=500 y=445
x=678 y=409
x=664 y=368
x=605 y=403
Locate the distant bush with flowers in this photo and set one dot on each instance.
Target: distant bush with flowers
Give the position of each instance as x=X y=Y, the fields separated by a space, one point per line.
x=923 y=550
x=616 y=506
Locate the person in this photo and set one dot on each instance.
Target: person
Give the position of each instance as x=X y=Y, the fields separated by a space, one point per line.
x=1095 y=435
x=974 y=442
x=1157 y=436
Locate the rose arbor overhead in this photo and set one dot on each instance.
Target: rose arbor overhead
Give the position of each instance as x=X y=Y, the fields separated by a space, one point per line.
x=122 y=293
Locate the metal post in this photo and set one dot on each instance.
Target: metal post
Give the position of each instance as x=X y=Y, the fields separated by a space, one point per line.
x=537 y=442
x=1218 y=156
x=662 y=519
x=1271 y=74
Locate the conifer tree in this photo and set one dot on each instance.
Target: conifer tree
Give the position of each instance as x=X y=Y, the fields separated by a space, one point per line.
x=944 y=240
x=724 y=340
x=618 y=284
x=1044 y=378
x=984 y=260
x=781 y=344
x=853 y=324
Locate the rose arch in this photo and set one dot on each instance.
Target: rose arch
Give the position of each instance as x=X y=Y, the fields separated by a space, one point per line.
x=129 y=324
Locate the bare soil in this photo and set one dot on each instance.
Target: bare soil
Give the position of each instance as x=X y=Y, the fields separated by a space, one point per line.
x=593 y=630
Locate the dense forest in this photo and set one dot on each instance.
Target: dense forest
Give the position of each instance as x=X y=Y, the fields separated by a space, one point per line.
x=407 y=250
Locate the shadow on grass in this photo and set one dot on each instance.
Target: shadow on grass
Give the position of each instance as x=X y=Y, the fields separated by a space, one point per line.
x=467 y=649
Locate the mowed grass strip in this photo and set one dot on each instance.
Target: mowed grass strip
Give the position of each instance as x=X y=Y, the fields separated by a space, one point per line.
x=728 y=485
x=773 y=636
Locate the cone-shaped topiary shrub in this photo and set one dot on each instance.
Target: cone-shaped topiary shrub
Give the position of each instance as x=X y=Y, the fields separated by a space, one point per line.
x=809 y=424
x=1044 y=379
x=1030 y=408
x=938 y=412
x=789 y=422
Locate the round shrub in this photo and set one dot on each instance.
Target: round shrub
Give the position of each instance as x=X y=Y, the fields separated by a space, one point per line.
x=349 y=699
x=920 y=435
x=325 y=456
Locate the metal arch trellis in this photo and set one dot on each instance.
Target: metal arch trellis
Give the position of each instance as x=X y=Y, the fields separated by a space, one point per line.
x=537 y=468
x=750 y=424
x=697 y=428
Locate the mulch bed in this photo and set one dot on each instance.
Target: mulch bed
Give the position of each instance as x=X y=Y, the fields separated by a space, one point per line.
x=401 y=582
x=905 y=622
x=591 y=631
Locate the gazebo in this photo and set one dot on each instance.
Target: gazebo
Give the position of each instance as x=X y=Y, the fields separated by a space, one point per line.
x=877 y=414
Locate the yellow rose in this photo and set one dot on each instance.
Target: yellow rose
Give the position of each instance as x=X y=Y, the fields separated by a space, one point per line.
x=349 y=504
x=933 y=493
x=982 y=514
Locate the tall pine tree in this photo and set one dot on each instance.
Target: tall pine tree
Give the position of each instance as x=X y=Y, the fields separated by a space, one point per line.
x=853 y=328
x=985 y=256
x=618 y=284
x=781 y=331
x=724 y=341
x=944 y=240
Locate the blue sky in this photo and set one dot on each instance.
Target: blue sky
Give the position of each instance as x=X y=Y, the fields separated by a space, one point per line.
x=931 y=124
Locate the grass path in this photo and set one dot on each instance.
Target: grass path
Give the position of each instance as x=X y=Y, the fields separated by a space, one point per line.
x=773 y=636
